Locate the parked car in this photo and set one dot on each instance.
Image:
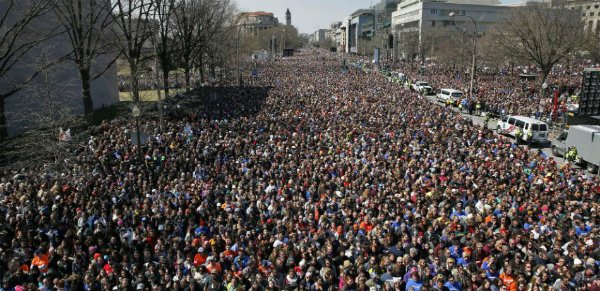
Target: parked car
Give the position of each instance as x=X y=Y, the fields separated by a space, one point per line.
x=586 y=140
x=421 y=86
x=510 y=125
x=449 y=94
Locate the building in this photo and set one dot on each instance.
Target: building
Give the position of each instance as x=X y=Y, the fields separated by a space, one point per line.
x=417 y=17
x=385 y=9
x=255 y=22
x=319 y=35
x=340 y=36
x=330 y=33
x=590 y=13
x=288 y=18
x=60 y=84
x=359 y=27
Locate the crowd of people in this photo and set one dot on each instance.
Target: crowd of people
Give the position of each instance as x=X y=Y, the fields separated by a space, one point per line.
x=312 y=178
x=509 y=90
x=148 y=81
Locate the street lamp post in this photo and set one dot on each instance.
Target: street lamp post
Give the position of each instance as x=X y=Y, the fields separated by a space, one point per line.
x=452 y=14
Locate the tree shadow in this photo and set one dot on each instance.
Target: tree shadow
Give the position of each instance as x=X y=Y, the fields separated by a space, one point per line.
x=217 y=103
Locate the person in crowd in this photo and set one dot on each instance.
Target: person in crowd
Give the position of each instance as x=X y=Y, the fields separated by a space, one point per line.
x=311 y=178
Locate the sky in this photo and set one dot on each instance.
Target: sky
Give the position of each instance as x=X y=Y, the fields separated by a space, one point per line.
x=310 y=15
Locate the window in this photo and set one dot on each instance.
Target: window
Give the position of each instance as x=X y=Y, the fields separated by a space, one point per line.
x=433 y=23
x=563 y=136
x=520 y=123
x=596 y=6
x=433 y=11
x=511 y=121
x=587 y=7
x=591 y=13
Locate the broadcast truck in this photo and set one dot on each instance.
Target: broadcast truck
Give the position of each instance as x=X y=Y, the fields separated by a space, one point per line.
x=586 y=140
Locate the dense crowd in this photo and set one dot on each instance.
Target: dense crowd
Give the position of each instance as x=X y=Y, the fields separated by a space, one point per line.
x=501 y=91
x=313 y=179
x=147 y=81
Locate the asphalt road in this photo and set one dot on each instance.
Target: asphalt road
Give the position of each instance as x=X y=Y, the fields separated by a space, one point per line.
x=479 y=120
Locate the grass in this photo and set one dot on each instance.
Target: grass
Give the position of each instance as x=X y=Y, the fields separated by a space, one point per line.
x=148 y=95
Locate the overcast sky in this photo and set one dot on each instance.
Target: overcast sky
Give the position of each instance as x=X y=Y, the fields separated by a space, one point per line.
x=310 y=15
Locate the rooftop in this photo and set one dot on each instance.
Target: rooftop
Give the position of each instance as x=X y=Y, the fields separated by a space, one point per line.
x=257 y=13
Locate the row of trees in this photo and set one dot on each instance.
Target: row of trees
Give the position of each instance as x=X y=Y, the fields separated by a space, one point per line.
x=187 y=34
x=525 y=35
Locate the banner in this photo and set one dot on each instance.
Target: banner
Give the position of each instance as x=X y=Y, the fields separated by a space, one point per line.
x=64 y=136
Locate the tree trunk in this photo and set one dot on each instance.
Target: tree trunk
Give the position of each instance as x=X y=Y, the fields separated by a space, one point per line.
x=3 y=125
x=88 y=103
x=545 y=73
x=166 y=81
x=213 y=71
x=188 y=85
x=201 y=66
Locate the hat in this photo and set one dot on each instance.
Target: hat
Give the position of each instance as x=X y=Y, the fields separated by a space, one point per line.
x=140 y=286
x=200 y=249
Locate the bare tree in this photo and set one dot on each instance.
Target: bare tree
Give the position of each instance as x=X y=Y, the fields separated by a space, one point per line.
x=165 y=43
x=43 y=115
x=188 y=33
x=416 y=49
x=85 y=22
x=541 y=35
x=132 y=29
x=17 y=19
x=196 y=24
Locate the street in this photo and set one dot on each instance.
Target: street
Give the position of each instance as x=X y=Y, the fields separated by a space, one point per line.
x=480 y=120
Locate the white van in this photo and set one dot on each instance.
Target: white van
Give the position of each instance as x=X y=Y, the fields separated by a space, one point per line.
x=451 y=94
x=510 y=124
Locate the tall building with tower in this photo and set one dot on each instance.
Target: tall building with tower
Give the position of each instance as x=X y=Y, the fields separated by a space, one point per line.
x=288 y=17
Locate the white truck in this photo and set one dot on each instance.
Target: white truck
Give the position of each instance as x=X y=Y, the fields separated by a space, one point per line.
x=422 y=86
x=586 y=140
